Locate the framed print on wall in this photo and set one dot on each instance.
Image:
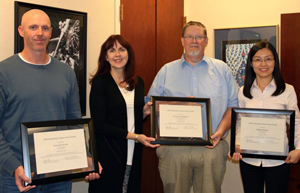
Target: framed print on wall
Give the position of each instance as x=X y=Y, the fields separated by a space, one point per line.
x=234 y=54
x=67 y=43
x=233 y=44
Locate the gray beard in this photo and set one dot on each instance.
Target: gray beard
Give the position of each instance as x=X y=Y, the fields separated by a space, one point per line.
x=193 y=53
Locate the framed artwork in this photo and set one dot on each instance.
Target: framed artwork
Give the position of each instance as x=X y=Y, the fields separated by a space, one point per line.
x=180 y=121
x=233 y=44
x=67 y=43
x=234 y=54
x=262 y=133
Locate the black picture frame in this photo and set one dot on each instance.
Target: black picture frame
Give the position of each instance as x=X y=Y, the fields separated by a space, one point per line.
x=270 y=33
x=237 y=63
x=205 y=120
x=28 y=129
x=73 y=53
x=242 y=36
x=263 y=113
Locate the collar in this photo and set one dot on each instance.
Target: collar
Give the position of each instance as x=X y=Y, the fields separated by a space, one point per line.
x=272 y=83
x=205 y=60
x=19 y=54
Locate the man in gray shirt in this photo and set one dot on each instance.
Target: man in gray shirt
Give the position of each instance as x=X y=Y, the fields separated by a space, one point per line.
x=33 y=87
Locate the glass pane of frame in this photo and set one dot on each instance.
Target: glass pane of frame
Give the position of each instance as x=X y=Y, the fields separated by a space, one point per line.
x=56 y=151
x=180 y=120
x=263 y=133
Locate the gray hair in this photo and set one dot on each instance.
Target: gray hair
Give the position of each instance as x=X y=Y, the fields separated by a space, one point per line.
x=196 y=23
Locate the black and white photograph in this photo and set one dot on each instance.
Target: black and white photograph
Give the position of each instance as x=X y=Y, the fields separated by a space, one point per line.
x=67 y=43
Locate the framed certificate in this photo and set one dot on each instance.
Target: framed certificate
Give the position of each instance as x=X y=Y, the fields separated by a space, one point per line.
x=56 y=151
x=180 y=120
x=262 y=133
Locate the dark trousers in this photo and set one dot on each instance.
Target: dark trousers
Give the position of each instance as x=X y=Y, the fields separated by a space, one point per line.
x=275 y=178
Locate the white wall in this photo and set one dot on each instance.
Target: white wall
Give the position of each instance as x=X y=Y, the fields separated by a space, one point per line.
x=102 y=22
x=218 y=14
x=236 y=13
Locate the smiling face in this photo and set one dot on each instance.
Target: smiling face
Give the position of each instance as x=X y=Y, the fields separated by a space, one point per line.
x=36 y=30
x=194 y=46
x=263 y=63
x=117 y=56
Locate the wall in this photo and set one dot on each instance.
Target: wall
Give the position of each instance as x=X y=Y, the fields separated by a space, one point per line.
x=229 y=14
x=235 y=13
x=101 y=23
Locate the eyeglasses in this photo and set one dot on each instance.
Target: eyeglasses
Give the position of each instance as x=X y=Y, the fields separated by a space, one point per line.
x=190 y=37
x=260 y=60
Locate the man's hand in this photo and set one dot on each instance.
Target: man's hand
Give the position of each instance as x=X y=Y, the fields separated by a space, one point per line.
x=222 y=128
x=147 y=109
x=20 y=178
x=94 y=175
x=216 y=137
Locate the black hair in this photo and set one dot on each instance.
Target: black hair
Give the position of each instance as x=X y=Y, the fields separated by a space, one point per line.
x=250 y=74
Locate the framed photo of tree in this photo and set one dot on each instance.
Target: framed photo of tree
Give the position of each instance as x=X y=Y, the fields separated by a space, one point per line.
x=67 y=43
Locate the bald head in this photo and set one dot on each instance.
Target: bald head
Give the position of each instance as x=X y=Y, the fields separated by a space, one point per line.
x=36 y=31
x=33 y=14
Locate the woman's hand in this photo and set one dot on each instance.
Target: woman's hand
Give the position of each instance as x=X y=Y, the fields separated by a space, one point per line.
x=293 y=157
x=237 y=154
x=146 y=140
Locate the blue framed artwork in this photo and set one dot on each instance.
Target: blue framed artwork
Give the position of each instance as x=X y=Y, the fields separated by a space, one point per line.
x=233 y=44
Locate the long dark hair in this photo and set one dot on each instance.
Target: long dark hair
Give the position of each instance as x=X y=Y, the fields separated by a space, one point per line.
x=104 y=67
x=250 y=74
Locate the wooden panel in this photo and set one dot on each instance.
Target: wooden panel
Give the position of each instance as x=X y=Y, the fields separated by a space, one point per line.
x=169 y=26
x=290 y=50
x=153 y=28
x=169 y=23
x=138 y=27
x=290 y=69
x=294 y=182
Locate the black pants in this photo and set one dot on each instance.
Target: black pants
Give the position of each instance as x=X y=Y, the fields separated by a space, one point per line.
x=276 y=178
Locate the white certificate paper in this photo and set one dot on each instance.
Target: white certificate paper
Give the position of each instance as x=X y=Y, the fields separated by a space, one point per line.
x=60 y=150
x=180 y=121
x=263 y=134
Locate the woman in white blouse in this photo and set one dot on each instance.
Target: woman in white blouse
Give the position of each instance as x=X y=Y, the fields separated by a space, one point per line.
x=265 y=88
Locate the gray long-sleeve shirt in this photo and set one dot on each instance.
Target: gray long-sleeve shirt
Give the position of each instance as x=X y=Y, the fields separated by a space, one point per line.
x=32 y=93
